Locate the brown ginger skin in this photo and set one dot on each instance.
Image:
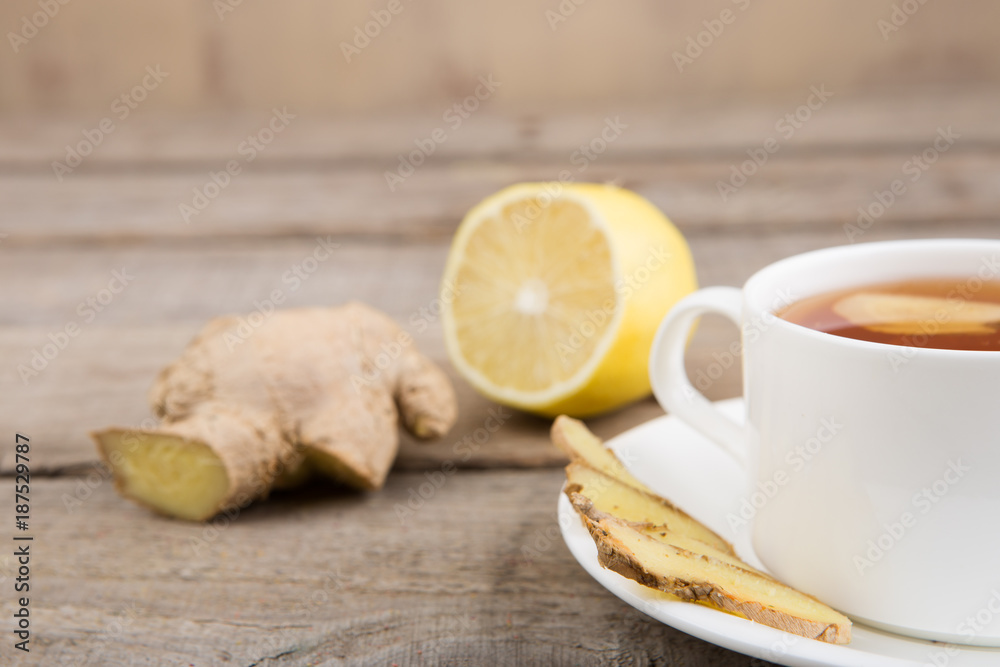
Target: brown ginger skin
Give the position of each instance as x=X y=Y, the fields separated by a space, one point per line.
x=646 y=538
x=310 y=389
x=617 y=557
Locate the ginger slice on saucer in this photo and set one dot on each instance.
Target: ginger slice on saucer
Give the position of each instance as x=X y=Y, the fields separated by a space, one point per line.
x=609 y=495
x=696 y=577
x=645 y=537
x=596 y=472
x=905 y=314
x=577 y=442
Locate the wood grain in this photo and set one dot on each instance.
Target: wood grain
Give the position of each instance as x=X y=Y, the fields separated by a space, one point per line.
x=260 y=54
x=102 y=376
x=477 y=575
x=321 y=577
x=787 y=192
x=683 y=127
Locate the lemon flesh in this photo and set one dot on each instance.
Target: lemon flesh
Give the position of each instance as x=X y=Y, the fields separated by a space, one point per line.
x=552 y=294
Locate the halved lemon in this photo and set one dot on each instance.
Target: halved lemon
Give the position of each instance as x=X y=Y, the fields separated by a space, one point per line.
x=552 y=293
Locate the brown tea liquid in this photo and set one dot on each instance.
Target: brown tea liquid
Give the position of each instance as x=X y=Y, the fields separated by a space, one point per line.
x=942 y=313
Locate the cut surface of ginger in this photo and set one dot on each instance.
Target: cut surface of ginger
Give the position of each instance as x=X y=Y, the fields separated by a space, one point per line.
x=171 y=475
x=576 y=441
x=625 y=502
x=646 y=538
x=695 y=576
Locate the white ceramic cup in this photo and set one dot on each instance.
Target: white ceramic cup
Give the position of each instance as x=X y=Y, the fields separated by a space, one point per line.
x=875 y=469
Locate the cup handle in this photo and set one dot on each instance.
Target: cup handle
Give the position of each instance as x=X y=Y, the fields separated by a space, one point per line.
x=668 y=376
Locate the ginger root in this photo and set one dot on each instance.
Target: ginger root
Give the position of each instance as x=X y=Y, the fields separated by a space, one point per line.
x=246 y=410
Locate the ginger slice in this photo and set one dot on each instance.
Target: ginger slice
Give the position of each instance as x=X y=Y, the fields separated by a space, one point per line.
x=644 y=537
x=905 y=314
x=695 y=576
x=641 y=507
x=577 y=442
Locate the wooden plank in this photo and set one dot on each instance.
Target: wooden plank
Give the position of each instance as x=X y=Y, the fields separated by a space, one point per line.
x=787 y=191
x=215 y=56
x=102 y=376
x=102 y=380
x=684 y=127
x=187 y=283
x=476 y=575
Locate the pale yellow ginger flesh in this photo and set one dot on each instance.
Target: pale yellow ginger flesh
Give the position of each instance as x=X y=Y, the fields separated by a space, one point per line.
x=246 y=409
x=625 y=502
x=905 y=314
x=577 y=442
x=644 y=537
x=181 y=478
x=697 y=577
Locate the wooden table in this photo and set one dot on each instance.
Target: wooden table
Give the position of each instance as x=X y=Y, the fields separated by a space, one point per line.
x=478 y=575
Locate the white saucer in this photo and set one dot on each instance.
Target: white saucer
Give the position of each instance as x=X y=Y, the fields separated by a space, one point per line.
x=680 y=464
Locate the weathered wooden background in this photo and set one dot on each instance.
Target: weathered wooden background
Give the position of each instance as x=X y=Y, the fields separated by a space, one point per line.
x=321 y=578
x=478 y=574
x=238 y=54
